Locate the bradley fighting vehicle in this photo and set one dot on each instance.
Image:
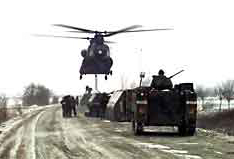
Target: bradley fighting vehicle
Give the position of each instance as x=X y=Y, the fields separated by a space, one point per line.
x=173 y=106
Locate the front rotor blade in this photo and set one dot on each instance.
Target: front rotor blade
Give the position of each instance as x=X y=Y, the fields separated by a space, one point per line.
x=54 y=36
x=75 y=31
x=143 y=30
x=123 y=30
x=75 y=28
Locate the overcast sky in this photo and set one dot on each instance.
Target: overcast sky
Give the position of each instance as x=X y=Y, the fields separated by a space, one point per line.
x=201 y=42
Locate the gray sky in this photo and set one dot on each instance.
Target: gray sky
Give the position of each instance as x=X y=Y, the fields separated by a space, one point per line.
x=201 y=42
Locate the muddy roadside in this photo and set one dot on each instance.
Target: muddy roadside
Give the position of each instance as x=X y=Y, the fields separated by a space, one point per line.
x=221 y=122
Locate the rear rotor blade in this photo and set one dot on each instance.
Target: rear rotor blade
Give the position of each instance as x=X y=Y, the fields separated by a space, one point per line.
x=122 y=30
x=109 y=42
x=102 y=32
x=54 y=36
x=127 y=31
x=75 y=28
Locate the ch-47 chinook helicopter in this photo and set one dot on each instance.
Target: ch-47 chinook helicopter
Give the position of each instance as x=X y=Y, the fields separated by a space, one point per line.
x=96 y=58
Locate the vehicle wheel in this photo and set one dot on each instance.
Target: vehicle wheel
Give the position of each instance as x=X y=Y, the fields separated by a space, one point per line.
x=105 y=77
x=182 y=130
x=191 y=131
x=137 y=128
x=110 y=72
x=80 y=77
x=133 y=126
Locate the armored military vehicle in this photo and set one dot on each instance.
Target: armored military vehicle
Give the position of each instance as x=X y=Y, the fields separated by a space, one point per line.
x=119 y=106
x=176 y=106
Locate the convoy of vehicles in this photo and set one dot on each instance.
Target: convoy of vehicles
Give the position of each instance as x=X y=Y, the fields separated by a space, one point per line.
x=147 y=106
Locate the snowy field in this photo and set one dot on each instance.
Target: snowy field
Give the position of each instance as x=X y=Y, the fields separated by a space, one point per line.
x=212 y=104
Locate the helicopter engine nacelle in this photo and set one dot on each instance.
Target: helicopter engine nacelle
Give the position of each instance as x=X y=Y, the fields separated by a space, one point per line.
x=102 y=50
x=84 y=53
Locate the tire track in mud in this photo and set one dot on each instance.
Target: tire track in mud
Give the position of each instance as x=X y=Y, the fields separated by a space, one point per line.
x=171 y=144
x=78 y=140
x=100 y=143
x=75 y=142
x=48 y=135
x=27 y=147
x=14 y=143
x=56 y=137
x=50 y=140
x=138 y=144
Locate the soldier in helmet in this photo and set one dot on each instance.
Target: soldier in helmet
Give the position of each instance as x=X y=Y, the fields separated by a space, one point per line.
x=63 y=107
x=73 y=105
x=66 y=106
x=161 y=82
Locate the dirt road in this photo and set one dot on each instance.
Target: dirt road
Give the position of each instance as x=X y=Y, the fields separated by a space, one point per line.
x=46 y=135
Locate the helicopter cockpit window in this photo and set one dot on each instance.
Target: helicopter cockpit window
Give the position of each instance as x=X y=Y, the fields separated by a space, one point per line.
x=91 y=52
x=107 y=51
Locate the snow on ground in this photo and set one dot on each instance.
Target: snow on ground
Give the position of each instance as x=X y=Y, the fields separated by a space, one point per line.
x=106 y=121
x=81 y=137
x=5 y=127
x=180 y=153
x=189 y=156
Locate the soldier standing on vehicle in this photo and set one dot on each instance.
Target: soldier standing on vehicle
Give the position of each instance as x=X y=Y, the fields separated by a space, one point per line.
x=161 y=82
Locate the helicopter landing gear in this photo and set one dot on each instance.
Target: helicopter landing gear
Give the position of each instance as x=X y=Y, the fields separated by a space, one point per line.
x=105 y=77
x=80 y=77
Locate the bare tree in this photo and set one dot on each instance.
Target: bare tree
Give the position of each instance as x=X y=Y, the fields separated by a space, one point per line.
x=43 y=95
x=36 y=94
x=201 y=92
x=146 y=82
x=124 y=82
x=228 y=91
x=3 y=100
x=210 y=92
x=3 y=104
x=55 y=100
x=133 y=85
x=17 y=101
x=218 y=91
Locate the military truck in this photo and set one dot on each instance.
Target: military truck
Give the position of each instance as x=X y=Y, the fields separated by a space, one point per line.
x=167 y=107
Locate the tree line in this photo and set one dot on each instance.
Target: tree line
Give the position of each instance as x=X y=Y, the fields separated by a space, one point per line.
x=223 y=90
x=33 y=94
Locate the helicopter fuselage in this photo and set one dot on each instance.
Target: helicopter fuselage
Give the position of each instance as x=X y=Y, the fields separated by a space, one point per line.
x=96 y=60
